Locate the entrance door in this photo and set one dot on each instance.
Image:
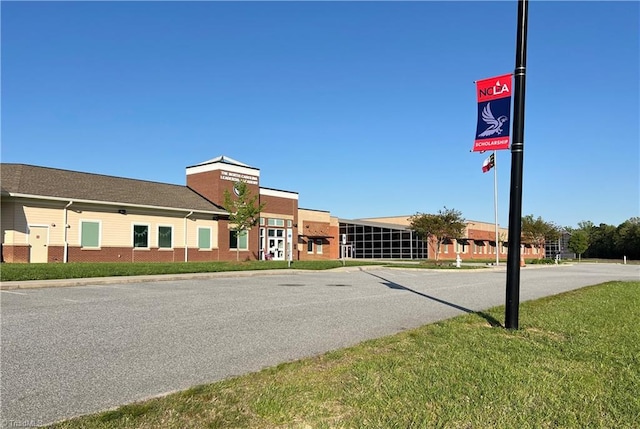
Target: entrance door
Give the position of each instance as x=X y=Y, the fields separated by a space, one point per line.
x=275 y=243
x=276 y=248
x=38 y=240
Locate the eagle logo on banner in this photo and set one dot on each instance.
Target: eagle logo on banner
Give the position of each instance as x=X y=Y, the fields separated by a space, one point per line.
x=495 y=125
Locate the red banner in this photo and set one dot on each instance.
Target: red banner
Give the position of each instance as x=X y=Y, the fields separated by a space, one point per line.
x=494 y=111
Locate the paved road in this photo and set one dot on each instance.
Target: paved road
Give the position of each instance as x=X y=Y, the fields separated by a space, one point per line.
x=75 y=350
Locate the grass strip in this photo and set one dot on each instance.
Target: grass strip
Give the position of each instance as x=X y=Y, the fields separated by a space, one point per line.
x=574 y=363
x=74 y=270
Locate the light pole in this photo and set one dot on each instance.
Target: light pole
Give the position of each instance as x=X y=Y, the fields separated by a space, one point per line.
x=517 y=155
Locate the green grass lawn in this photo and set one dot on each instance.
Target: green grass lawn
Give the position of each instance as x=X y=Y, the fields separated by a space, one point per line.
x=574 y=363
x=16 y=272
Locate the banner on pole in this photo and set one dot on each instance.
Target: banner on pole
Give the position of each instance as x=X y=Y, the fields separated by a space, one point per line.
x=494 y=113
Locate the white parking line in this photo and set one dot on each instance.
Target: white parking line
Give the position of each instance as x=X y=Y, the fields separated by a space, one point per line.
x=15 y=293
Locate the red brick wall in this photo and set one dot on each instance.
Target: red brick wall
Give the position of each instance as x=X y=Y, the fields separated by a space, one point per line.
x=334 y=242
x=285 y=206
x=55 y=254
x=227 y=254
x=15 y=253
x=206 y=184
x=211 y=186
x=197 y=255
x=330 y=249
x=326 y=250
x=124 y=254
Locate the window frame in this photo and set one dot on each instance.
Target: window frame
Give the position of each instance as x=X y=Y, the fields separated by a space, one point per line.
x=133 y=235
x=170 y=237
x=99 y=222
x=238 y=238
x=275 y=222
x=210 y=238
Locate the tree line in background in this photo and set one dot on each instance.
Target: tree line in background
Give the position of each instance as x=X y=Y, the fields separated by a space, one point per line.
x=606 y=241
x=588 y=240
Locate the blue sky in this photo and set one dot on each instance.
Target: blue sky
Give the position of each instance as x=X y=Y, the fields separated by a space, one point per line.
x=366 y=109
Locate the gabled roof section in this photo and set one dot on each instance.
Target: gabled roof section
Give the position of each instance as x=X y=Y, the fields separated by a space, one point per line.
x=51 y=183
x=224 y=160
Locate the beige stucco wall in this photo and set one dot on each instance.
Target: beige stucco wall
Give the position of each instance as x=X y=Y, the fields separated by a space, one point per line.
x=17 y=217
x=313 y=216
x=7 y=223
x=116 y=230
x=485 y=226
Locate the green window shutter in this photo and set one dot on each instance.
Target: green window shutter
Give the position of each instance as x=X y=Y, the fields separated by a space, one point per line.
x=164 y=237
x=204 y=238
x=90 y=235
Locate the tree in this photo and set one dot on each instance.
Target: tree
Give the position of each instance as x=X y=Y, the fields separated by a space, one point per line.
x=244 y=210
x=579 y=242
x=586 y=226
x=627 y=238
x=601 y=242
x=435 y=229
x=537 y=231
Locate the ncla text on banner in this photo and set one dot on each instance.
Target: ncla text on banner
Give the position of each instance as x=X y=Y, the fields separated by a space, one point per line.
x=494 y=111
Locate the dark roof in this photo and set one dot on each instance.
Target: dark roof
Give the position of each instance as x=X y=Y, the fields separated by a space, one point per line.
x=73 y=185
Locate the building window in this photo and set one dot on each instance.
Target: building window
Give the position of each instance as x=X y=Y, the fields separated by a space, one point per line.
x=165 y=237
x=276 y=222
x=289 y=223
x=310 y=246
x=204 y=238
x=141 y=236
x=238 y=240
x=261 y=221
x=319 y=246
x=90 y=234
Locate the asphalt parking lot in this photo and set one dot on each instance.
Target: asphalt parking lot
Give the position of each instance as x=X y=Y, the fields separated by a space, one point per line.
x=68 y=351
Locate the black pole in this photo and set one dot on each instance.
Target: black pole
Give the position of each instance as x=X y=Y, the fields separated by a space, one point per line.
x=517 y=154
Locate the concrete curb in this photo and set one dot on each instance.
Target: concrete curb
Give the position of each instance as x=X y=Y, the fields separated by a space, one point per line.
x=35 y=284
